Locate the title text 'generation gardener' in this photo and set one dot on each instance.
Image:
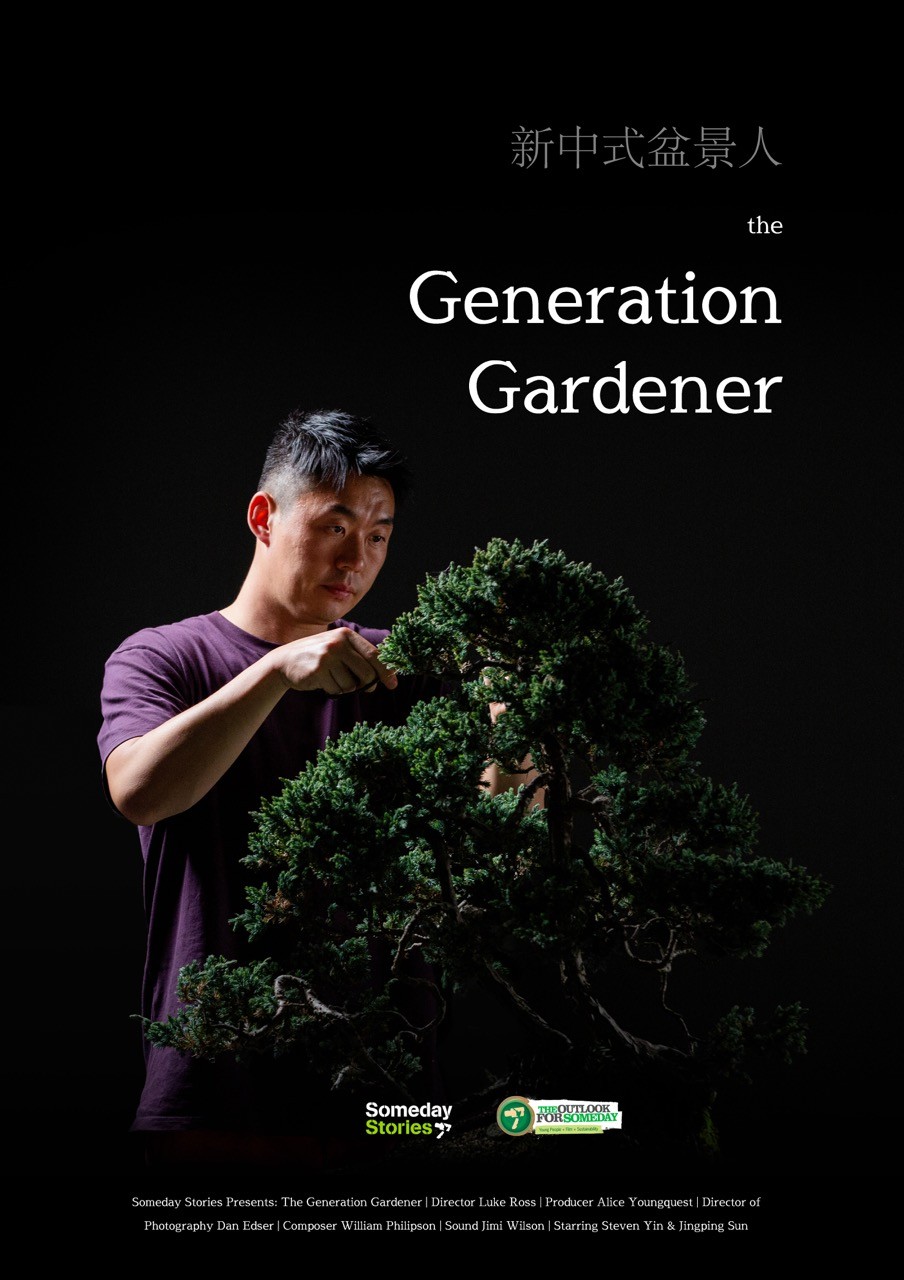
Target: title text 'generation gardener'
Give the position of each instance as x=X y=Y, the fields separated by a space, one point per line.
x=611 y=393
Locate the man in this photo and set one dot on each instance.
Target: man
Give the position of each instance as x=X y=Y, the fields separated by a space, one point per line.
x=204 y=717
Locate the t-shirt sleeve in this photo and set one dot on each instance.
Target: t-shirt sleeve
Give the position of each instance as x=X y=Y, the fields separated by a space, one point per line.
x=144 y=686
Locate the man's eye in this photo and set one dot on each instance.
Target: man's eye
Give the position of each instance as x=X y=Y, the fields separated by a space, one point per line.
x=377 y=537
x=335 y=528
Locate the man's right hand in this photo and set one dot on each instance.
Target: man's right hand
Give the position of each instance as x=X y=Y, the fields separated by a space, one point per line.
x=337 y=661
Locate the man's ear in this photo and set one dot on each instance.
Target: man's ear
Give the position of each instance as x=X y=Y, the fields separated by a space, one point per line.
x=261 y=510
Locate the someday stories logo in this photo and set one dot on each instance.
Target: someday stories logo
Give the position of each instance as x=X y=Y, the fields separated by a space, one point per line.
x=423 y=1120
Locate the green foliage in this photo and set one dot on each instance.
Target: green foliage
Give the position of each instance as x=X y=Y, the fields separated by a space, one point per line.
x=225 y=1008
x=564 y=648
x=683 y=849
x=737 y=1037
x=388 y=872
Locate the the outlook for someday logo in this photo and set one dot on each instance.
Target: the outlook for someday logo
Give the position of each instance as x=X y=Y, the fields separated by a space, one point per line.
x=546 y=1117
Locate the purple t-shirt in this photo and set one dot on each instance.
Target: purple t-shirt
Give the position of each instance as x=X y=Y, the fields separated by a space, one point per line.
x=193 y=880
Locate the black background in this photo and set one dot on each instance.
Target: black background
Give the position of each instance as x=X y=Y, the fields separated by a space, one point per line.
x=168 y=313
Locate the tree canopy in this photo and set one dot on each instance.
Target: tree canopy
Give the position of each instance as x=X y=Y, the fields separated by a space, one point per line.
x=393 y=880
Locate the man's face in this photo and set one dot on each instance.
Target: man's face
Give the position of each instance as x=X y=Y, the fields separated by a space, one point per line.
x=327 y=548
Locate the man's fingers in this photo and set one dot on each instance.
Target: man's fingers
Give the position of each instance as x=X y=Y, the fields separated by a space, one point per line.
x=384 y=675
x=337 y=662
x=370 y=652
x=358 y=668
x=363 y=674
x=346 y=681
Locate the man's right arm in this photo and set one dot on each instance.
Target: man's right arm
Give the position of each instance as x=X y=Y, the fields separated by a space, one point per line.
x=171 y=767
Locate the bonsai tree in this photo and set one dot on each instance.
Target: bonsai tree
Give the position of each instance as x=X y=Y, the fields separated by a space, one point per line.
x=396 y=882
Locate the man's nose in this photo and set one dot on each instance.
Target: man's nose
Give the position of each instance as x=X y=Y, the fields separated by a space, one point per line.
x=351 y=553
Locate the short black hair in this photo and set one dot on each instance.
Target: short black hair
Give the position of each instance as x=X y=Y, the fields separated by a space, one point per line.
x=325 y=447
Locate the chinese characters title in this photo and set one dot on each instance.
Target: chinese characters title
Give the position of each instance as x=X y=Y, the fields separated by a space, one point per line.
x=667 y=149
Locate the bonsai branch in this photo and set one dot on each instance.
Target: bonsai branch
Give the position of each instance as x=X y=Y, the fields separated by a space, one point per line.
x=322 y=1010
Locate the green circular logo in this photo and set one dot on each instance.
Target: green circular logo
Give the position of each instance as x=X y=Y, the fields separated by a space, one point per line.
x=515 y=1116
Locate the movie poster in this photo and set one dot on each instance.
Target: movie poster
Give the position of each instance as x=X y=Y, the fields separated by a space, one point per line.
x=654 y=342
